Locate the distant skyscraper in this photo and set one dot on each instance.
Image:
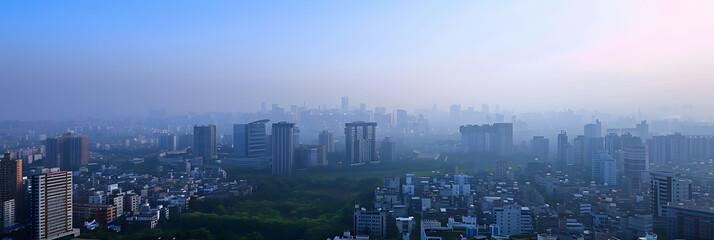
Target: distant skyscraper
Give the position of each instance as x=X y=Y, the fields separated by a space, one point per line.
x=52 y=149
x=643 y=130
x=204 y=142
x=296 y=137
x=283 y=148
x=502 y=139
x=588 y=146
x=593 y=130
x=345 y=104
x=250 y=140
x=184 y=141
x=540 y=148
x=455 y=113
x=604 y=169
x=51 y=206
x=677 y=148
x=74 y=152
x=388 y=150
x=68 y=152
x=580 y=150
x=615 y=144
x=361 y=142
x=563 y=146
x=11 y=187
x=495 y=139
x=311 y=156
x=609 y=171
x=636 y=167
x=380 y=110
x=327 y=139
x=168 y=142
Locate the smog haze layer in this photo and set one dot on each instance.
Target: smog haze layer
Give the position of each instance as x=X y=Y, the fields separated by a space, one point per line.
x=64 y=60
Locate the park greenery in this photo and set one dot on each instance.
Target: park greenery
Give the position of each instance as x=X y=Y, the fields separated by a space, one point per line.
x=315 y=203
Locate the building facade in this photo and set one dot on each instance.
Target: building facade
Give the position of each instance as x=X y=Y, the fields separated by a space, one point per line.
x=11 y=184
x=388 y=150
x=250 y=140
x=540 y=148
x=327 y=139
x=51 y=205
x=370 y=222
x=496 y=139
x=68 y=152
x=204 y=142
x=283 y=148
x=361 y=142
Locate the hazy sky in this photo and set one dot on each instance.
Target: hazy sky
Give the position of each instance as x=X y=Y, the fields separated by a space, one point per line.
x=61 y=59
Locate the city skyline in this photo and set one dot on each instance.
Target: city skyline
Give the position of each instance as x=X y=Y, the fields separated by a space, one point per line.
x=357 y=120
x=88 y=57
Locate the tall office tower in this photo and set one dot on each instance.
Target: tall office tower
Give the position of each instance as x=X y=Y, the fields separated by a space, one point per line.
x=52 y=158
x=604 y=169
x=283 y=148
x=74 y=152
x=250 y=140
x=678 y=148
x=11 y=192
x=563 y=149
x=361 y=142
x=580 y=149
x=609 y=171
x=636 y=167
x=68 y=152
x=613 y=143
x=658 y=149
x=643 y=130
x=668 y=187
x=455 y=113
x=380 y=110
x=363 y=107
x=484 y=108
x=204 y=142
x=593 y=147
x=327 y=139
x=184 y=141
x=540 y=147
x=501 y=141
x=168 y=142
x=51 y=206
x=593 y=130
x=345 y=104
x=700 y=147
x=402 y=122
x=296 y=137
x=311 y=156
x=388 y=150
x=495 y=139
x=263 y=107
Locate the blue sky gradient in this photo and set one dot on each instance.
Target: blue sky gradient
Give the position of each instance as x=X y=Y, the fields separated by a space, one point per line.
x=68 y=59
